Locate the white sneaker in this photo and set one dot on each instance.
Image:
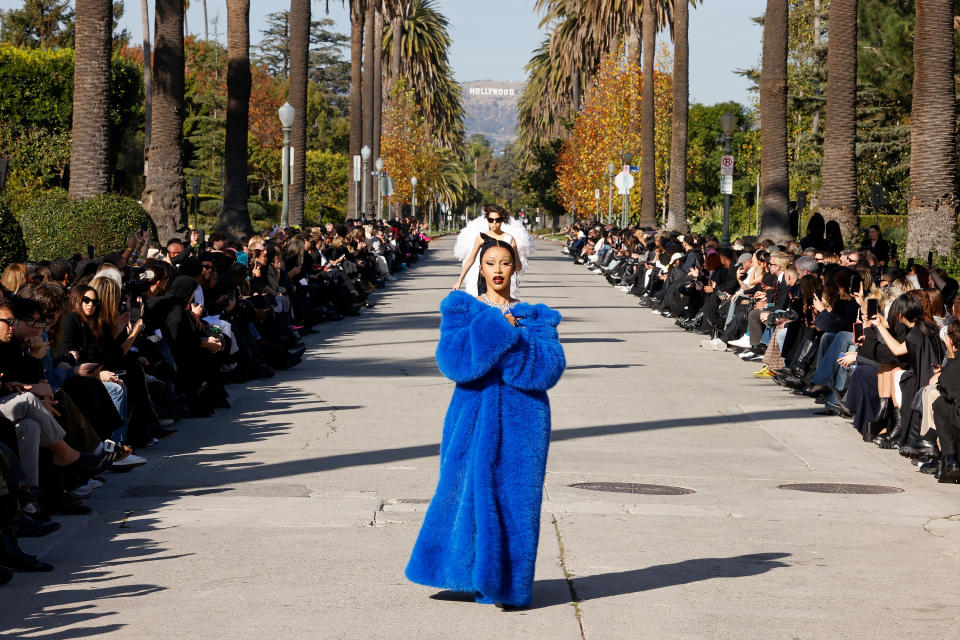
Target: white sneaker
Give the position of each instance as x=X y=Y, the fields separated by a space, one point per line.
x=95 y=483
x=655 y=312
x=132 y=460
x=741 y=343
x=82 y=491
x=714 y=345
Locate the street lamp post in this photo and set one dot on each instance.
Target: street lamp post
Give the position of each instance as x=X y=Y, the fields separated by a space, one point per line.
x=379 y=165
x=611 y=172
x=626 y=156
x=286 y=114
x=430 y=215
x=413 y=184
x=365 y=155
x=728 y=124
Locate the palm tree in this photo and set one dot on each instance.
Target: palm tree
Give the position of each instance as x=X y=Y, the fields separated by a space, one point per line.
x=677 y=207
x=367 y=96
x=838 y=190
x=90 y=154
x=932 y=208
x=378 y=79
x=424 y=43
x=147 y=81
x=234 y=217
x=648 y=123
x=773 y=115
x=165 y=194
x=356 y=101
x=299 y=72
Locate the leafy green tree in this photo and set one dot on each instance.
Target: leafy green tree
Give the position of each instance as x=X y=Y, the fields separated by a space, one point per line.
x=46 y=24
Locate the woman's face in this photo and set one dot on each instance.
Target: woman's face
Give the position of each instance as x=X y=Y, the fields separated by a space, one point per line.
x=89 y=304
x=497 y=269
x=494 y=221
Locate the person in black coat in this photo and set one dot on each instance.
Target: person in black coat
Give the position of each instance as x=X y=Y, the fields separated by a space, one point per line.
x=946 y=408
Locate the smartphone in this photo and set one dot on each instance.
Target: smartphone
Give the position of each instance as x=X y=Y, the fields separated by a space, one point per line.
x=872 y=308
x=90 y=251
x=143 y=227
x=858 y=332
x=930 y=259
x=136 y=309
x=808 y=312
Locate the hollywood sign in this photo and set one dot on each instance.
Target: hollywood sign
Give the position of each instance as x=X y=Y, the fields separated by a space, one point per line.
x=490 y=91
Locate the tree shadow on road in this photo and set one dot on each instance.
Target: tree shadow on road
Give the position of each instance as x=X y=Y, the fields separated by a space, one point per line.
x=548 y=593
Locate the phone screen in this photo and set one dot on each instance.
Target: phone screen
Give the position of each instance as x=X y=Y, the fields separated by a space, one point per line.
x=136 y=309
x=930 y=258
x=857 y=332
x=872 y=308
x=809 y=313
x=90 y=251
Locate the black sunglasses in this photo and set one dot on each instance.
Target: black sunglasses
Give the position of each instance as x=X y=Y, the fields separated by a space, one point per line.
x=8 y=321
x=34 y=323
x=492 y=220
x=93 y=301
x=207 y=266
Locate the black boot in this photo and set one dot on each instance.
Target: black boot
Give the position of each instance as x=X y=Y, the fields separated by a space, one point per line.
x=949 y=470
x=872 y=429
x=892 y=437
x=11 y=555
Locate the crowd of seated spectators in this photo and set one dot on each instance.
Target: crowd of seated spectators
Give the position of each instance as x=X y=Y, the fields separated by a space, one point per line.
x=100 y=356
x=868 y=337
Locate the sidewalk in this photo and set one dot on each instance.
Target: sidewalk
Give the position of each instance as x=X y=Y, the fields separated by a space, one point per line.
x=292 y=514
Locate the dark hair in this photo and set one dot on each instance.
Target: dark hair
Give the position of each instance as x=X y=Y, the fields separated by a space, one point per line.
x=490 y=243
x=495 y=208
x=25 y=307
x=953 y=332
x=816 y=226
x=832 y=233
x=911 y=309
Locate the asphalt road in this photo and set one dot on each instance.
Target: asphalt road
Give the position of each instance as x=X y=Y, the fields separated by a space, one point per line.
x=292 y=514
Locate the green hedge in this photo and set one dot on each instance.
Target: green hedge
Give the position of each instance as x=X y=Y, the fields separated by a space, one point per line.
x=12 y=247
x=54 y=226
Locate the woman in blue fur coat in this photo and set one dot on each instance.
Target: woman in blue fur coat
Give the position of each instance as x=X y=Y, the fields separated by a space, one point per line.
x=480 y=532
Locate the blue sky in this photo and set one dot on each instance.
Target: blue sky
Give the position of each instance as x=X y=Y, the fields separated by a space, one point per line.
x=492 y=39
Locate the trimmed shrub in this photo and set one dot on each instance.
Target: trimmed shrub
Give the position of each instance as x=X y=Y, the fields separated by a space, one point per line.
x=54 y=226
x=256 y=211
x=210 y=208
x=12 y=246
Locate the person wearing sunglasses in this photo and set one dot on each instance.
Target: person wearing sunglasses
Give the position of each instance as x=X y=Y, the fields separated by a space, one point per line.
x=495 y=223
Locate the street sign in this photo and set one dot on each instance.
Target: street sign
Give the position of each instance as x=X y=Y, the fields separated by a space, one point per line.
x=726 y=166
x=386 y=186
x=624 y=182
x=726 y=185
x=634 y=168
x=596 y=194
x=357 y=170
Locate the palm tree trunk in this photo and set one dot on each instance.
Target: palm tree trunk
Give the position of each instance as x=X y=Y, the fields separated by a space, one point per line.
x=396 y=46
x=377 y=82
x=234 y=217
x=147 y=82
x=575 y=91
x=356 y=101
x=366 y=95
x=677 y=210
x=206 y=24
x=90 y=155
x=774 y=198
x=648 y=175
x=932 y=208
x=838 y=191
x=299 y=63
x=165 y=194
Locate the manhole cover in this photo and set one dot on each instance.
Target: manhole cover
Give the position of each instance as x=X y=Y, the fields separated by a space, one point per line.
x=633 y=487
x=827 y=487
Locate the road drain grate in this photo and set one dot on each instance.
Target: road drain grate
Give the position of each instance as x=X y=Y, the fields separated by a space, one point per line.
x=633 y=487
x=827 y=487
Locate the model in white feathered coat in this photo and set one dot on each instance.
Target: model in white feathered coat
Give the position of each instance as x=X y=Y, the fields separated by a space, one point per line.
x=496 y=223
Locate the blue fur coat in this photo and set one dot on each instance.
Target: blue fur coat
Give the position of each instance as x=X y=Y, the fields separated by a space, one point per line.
x=481 y=530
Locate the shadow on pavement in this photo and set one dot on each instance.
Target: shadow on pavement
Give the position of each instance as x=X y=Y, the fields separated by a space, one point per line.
x=547 y=592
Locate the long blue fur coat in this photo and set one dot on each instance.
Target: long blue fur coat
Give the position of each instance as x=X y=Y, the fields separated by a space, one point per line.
x=481 y=530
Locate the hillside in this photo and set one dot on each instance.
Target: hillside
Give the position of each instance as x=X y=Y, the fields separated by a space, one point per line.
x=492 y=109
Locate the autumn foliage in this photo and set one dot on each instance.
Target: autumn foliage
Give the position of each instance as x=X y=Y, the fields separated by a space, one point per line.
x=609 y=125
x=406 y=147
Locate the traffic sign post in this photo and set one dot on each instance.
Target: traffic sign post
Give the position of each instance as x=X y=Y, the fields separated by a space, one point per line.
x=726 y=166
x=624 y=182
x=726 y=185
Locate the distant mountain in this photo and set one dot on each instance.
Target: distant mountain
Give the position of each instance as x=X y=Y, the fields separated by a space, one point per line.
x=492 y=110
